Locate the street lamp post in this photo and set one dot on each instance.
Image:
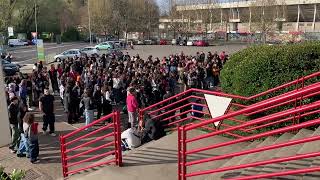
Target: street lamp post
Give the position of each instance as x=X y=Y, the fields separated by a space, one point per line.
x=35 y=18
x=90 y=33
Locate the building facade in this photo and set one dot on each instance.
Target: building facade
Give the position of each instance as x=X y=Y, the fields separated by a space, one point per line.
x=248 y=15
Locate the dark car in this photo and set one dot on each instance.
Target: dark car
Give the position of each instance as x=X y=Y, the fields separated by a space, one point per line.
x=9 y=69
x=116 y=52
x=3 y=53
x=150 y=42
x=163 y=42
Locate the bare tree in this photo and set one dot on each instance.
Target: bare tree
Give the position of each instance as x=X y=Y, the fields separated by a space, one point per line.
x=264 y=19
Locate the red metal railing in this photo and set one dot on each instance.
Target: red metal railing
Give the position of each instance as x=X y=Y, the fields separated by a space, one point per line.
x=271 y=119
x=166 y=108
x=75 y=149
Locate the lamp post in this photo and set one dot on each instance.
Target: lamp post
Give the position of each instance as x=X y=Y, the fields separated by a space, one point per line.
x=35 y=18
x=90 y=33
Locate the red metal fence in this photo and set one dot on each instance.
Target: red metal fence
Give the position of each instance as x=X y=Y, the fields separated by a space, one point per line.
x=177 y=110
x=77 y=150
x=309 y=95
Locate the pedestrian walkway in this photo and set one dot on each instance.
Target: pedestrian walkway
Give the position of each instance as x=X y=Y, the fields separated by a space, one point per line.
x=50 y=164
x=49 y=167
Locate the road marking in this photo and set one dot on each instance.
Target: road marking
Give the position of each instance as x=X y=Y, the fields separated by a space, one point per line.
x=49 y=48
x=18 y=62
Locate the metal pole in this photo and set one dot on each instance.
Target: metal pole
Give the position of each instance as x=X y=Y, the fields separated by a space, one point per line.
x=35 y=17
x=314 y=17
x=89 y=15
x=298 y=18
x=36 y=24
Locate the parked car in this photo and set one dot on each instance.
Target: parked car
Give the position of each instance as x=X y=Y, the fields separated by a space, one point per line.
x=183 y=43
x=140 y=42
x=190 y=43
x=174 y=42
x=163 y=42
x=105 y=45
x=17 y=42
x=29 y=42
x=89 y=51
x=150 y=42
x=3 y=53
x=71 y=53
x=9 y=69
x=201 y=43
x=116 y=52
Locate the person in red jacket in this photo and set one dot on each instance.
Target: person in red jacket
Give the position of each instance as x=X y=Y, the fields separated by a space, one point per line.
x=132 y=107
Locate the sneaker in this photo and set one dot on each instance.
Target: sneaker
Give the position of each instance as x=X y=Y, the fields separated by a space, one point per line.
x=13 y=151
x=35 y=161
x=53 y=134
x=45 y=132
x=21 y=155
x=30 y=109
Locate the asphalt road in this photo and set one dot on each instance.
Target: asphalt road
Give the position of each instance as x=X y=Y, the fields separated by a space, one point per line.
x=27 y=55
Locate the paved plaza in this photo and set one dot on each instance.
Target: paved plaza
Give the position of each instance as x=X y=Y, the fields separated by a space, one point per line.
x=50 y=165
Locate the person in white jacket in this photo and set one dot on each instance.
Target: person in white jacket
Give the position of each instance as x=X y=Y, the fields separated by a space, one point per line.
x=131 y=138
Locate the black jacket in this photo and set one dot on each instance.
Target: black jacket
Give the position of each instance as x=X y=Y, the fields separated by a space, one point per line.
x=13 y=113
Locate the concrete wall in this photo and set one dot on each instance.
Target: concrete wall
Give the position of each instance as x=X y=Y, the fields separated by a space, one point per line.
x=4 y=120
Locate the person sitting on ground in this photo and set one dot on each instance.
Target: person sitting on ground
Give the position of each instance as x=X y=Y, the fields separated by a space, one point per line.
x=152 y=129
x=130 y=138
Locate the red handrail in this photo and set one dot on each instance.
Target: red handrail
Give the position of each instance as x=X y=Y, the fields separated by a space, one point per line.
x=305 y=92
x=191 y=93
x=115 y=142
x=302 y=92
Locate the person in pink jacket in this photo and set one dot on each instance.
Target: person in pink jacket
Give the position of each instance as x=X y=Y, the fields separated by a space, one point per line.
x=132 y=107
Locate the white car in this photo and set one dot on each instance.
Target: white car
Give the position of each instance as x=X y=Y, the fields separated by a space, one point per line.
x=17 y=42
x=90 y=51
x=174 y=42
x=71 y=53
x=190 y=42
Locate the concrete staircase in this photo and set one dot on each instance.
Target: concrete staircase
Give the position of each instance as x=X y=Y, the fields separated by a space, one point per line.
x=158 y=159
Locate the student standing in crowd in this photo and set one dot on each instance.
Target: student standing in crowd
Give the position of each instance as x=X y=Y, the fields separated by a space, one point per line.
x=46 y=106
x=13 y=110
x=87 y=103
x=30 y=131
x=132 y=107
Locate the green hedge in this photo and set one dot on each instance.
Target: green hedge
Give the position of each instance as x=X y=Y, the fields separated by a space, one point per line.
x=71 y=34
x=259 y=68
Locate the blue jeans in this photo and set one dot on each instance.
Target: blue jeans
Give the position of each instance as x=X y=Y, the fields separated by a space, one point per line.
x=88 y=114
x=34 y=150
x=24 y=146
x=210 y=81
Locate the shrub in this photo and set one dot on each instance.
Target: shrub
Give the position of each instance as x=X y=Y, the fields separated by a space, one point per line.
x=259 y=68
x=71 y=34
x=15 y=175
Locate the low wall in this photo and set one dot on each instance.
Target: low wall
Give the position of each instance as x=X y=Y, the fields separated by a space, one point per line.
x=4 y=119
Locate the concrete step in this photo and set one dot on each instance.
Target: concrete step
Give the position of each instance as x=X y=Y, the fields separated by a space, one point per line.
x=286 y=151
x=158 y=159
x=268 y=154
x=234 y=160
x=270 y=140
x=309 y=147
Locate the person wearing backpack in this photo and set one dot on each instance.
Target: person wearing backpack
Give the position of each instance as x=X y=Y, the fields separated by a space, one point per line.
x=88 y=104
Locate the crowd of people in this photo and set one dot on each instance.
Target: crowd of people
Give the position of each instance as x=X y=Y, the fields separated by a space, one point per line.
x=94 y=85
